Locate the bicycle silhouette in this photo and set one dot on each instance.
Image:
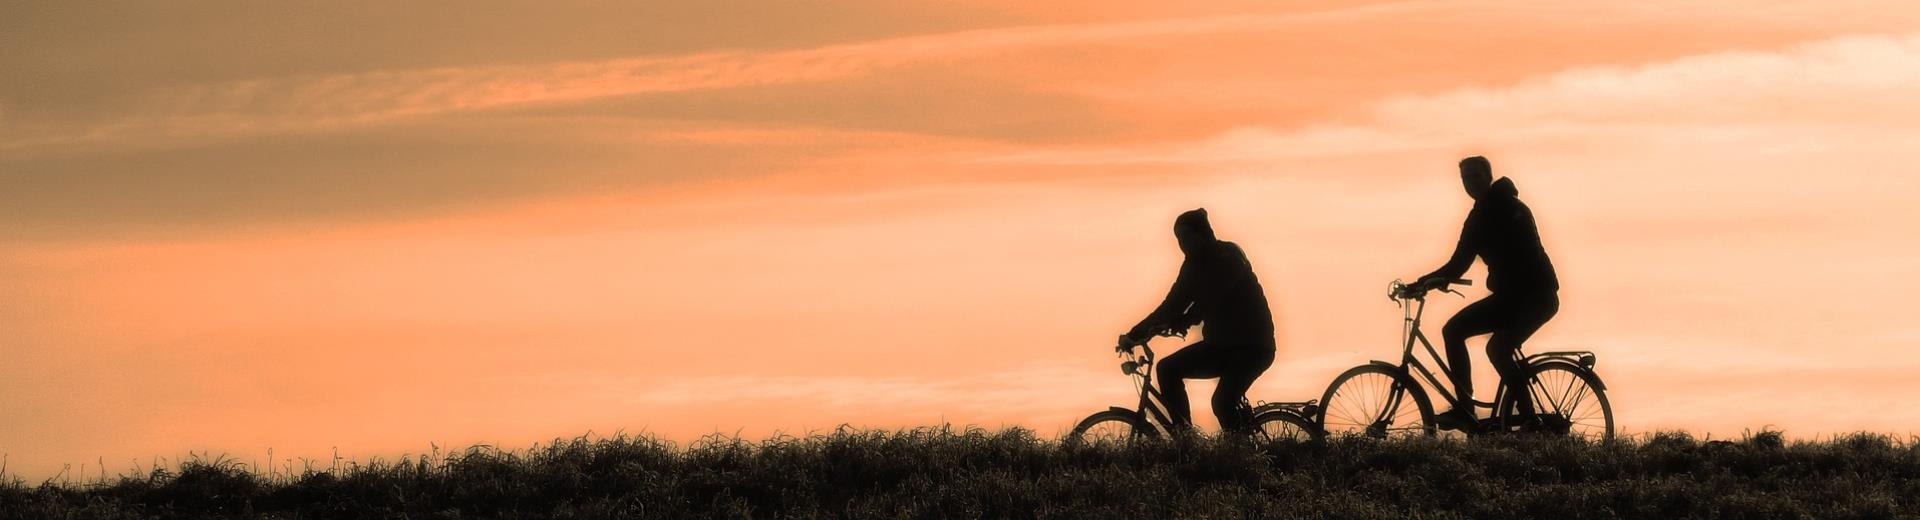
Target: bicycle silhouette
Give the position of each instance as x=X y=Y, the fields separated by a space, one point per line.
x=1267 y=421
x=1383 y=400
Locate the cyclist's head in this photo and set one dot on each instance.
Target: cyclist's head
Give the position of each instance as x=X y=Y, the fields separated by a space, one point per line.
x=1193 y=231
x=1476 y=174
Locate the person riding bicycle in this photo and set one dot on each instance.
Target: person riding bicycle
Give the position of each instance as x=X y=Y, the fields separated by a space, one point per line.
x=1216 y=287
x=1525 y=291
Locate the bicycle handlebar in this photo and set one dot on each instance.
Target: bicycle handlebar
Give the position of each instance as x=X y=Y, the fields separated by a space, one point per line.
x=1399 y=290
x=1126 y=346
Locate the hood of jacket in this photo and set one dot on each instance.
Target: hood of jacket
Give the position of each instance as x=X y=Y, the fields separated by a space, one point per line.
x=1503 y=188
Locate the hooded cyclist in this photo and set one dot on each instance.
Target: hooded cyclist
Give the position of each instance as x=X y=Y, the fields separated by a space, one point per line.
x=1216 y=287
x=1525 y=291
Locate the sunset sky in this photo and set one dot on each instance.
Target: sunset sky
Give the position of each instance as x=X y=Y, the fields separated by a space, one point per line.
x=234 y=226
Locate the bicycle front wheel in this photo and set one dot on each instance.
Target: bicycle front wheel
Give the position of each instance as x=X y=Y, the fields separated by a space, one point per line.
x=1568 y=399
x=1111 y=427
x=1378 y=402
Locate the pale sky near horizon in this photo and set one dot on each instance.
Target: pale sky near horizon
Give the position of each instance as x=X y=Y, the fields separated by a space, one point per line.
x=229 y=226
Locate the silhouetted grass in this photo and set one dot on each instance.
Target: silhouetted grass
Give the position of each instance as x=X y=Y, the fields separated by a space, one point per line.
x=948 y=473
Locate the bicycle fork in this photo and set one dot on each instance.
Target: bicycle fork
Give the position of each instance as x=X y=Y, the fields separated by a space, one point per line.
x=1378 y=428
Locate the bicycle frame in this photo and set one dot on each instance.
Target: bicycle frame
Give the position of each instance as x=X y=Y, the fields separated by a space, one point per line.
x=1411 y=364
x=1357 y=412
x=1413 y=310
x=1151 y=418
x=1150 y=396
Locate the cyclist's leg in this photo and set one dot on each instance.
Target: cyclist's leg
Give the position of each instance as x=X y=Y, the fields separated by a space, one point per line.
x=1522 y=318
x=1197 y=361
x=1243 y=367
x=1473 y=320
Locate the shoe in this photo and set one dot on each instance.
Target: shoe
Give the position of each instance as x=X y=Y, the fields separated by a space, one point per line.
x=1455 y=419
x=1530 y=423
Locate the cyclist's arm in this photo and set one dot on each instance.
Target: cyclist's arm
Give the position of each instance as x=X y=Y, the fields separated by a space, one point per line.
x=1463 y=252
x=1178 y=299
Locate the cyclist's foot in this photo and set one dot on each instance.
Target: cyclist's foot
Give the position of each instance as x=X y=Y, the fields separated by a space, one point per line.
x=1528 y=424
x=1455 y=419
x=1555 y=423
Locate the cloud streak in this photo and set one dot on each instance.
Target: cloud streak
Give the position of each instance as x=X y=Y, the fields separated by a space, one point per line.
x=319 y=103
x=1855 y=85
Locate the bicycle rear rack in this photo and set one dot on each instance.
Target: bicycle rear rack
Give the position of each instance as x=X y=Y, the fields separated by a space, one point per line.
x=1303 y=409
x=1583 y=358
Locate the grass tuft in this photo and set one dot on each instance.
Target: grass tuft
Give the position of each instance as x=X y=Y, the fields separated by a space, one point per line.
x=953 y=472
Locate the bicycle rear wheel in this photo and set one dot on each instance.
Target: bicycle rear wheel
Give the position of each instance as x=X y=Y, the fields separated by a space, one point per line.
x=1111 y=427
x=1279 y=425
x=1567 y=399
x=1378 y=402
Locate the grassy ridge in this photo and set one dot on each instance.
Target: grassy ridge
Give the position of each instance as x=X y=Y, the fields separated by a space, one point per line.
x=941 y=472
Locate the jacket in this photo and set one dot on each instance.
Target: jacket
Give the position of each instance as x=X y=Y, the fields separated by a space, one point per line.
x=1500 y=230
x=1217 y=287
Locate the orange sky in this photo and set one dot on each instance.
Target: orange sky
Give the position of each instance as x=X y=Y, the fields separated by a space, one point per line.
x=371 y=226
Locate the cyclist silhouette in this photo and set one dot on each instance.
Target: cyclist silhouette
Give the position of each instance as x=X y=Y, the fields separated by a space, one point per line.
x=1525 y=291
x=1216 y=287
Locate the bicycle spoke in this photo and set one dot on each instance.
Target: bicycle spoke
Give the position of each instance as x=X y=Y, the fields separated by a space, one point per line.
x=1360 y=404
x=1279 y=428
x=1568 y=401
x=1402 y=411
x=1576 y=401
x=1352 y=403
x=1111 y=430
x=1376 y=402
x=1570 y=398
x=1546 y=384
x=1373 y=403
x=1590 y=415
x=1373 y=407
x=1348 y=413
x=1392 y=411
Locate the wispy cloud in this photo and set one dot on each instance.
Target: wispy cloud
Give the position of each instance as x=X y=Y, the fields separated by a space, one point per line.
x=306 y=103
x=1853 y=87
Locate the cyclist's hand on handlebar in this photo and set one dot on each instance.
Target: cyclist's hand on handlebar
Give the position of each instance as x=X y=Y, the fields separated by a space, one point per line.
x=1410 y=290
x=1441 y=284
x=1181 y=326
x=1420 y=287
x=1428 y=284
x=1136 y=338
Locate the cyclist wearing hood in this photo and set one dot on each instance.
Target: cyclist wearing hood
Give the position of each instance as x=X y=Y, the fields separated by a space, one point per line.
x=1216 y=287
x=1525 y=290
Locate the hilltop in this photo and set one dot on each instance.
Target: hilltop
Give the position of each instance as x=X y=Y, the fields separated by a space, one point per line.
x=958 y=473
